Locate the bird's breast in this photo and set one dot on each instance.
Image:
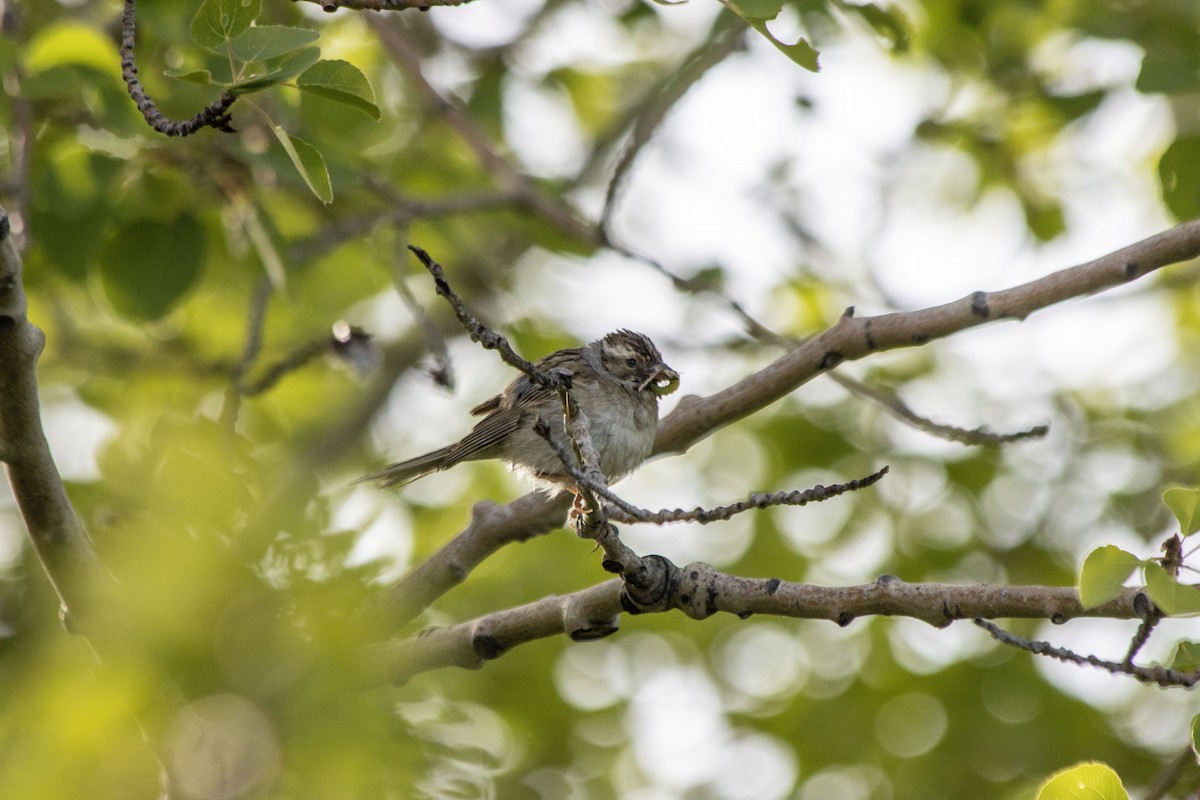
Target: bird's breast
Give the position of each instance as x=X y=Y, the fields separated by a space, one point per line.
x=623 y=433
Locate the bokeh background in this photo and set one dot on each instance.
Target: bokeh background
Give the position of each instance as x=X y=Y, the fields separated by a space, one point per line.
x=943 y=147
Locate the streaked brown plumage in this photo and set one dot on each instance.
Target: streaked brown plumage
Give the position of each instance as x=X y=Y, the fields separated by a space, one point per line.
x=616 y=382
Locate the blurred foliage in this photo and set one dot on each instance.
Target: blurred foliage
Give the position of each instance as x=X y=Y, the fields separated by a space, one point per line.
x=242 y=558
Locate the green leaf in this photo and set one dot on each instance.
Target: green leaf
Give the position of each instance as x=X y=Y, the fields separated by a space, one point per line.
x=148 y=267
x=1084 y=782
x=1196 y=735
x=1168 y=68
x=889 y=24
x=1045 y=220
x=1170 y=595
x=756 y=13
x=296 y=63
x=1187 y=656
x=270 y=41
x=201 y=76
x=218 y=21
x=1185 y=505
x=756 y=9
x=68 y=43
x=343 y=82
x=287 y=69
x=1103 y=574
x=801 y=52
x=1179 y=177
x=308 y=163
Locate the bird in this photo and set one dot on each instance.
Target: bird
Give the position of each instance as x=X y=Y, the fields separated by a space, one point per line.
x=616 y=381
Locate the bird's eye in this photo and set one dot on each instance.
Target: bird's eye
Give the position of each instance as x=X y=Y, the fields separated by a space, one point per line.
x=631 y=362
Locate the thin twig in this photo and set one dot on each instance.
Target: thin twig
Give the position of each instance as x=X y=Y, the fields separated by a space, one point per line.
x=442 y=370
x=484 y=336
x=1149 y=623
x=856 y=337
x=1171 y=561
x=799 y=497
x=216 y=115
x=331 y=6
x=696 y=418
x=627 y=512
x=888 y=400
x=1169 y=775
x=727 y=36
x=400 y=211
x=1162 y=676
x=754 y=328
x=892 y=403
x=255 y=322
x=291 y=362
x=521 y=188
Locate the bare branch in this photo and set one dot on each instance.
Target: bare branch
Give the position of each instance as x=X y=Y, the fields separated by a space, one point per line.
x=518 y=186
x=1169 y=775
x=586 y=615
x=726 y=37
x=853 y=338
x=700 y=591
x=58 y=538
x=624 y=511
x=892 y=403
x=485 y=336
x=491 y=527
x=442 y=370
x=1163 y=676
x=888 y=400
x=331 y=6
x=216 y=115
x=696 y=418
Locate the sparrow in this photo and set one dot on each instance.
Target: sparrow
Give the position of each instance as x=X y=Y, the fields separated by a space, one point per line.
x=616 y=381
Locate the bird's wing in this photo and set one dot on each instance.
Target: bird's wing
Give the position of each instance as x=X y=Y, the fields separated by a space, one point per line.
x=488 y=406
x=524 y=393
x=491 y=431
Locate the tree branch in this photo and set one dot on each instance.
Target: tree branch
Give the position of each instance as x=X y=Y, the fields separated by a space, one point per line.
x=891 y=402
x=58 y=538
x=700 y=591
x=855 y=337
x=726 y=36
x=1169 y=776
x=1163 y=676
x=492 y=526
x=522 y=190
x=487 y=338
x=215 y=115
x=697 y=417
x=331 y=6
x=585 y=615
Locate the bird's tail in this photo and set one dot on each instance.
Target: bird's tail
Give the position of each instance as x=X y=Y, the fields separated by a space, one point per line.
x=403 y=472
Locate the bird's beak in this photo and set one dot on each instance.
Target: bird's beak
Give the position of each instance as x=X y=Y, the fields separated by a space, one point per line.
x=662 y=381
